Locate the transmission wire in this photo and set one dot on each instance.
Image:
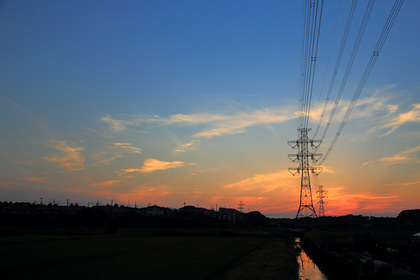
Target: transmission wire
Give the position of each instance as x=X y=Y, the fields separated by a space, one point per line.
x=337 y=63
x=350 y=63
x=380 y=43
x=313 y=58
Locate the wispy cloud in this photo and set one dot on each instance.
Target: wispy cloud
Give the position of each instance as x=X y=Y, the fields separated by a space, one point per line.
x=209 y=125
x=128 y=148
x=406 y=156
x=264 y=182
x=8 y=184
x=70 y=159
x=404 y=184
x=151 y=165
x=368 y=107
x=327 y=169
x=106 y=184
x=37 y=180
x=105 y=157
x=215 y=124
x=190 y=146
x=115 y=125
x=116 y=151
x=394 y=121
x=14 y=104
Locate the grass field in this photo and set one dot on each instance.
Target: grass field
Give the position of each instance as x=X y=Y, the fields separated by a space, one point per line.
x=133 y=256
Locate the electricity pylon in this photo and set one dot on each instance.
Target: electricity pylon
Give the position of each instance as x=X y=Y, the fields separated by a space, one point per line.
x=241 y=206
x=322 y=194
x=303 y=156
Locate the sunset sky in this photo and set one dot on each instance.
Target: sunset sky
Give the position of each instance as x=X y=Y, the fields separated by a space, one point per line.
x=166 y=102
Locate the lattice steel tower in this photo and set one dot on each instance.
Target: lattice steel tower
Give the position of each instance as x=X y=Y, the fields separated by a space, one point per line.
x=304 y=156
x=322 y=195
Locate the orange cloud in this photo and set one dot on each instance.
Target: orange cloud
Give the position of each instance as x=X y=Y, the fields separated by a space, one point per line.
x=327 y=169
x=187 y=146
x=151 y=165
x=106 y=184
x=276 y=192
x=37 y=180
x=71 y=160
x=265 y=182
x=400 y=158
x=340 y=202
x=404 y=184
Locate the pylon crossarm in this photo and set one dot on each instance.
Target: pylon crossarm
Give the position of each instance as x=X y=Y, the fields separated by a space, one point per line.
x=316 y=156
x=316 y=170
x=294 y=170
x=315 y=143
x=294 y=144
x=293 y=157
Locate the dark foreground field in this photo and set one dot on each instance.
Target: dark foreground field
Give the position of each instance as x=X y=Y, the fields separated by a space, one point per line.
x=147 y=256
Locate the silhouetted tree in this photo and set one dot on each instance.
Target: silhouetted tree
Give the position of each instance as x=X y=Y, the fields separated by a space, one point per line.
x=256 y=219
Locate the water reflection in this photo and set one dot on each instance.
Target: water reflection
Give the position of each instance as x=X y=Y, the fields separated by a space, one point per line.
x=308 y=270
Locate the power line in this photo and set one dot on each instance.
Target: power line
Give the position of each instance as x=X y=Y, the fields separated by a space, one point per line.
x=305 y=60
x=312 y=27
x=350 y=63
x=337 y=63
x=314 y=53
x=380 y=43
x=329 y=53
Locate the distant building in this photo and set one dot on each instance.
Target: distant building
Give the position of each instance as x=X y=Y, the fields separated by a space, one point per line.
x=155 y=210
x=229 y=214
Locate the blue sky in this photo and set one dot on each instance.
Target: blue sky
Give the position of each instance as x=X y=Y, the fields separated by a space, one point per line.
x=172 y=101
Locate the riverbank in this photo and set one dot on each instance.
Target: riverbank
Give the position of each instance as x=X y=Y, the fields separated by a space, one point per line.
x=307 y=268
x=363 y=254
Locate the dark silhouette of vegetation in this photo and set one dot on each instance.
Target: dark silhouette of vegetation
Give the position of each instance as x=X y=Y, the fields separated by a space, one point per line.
x=256 y=219
x=346 y=247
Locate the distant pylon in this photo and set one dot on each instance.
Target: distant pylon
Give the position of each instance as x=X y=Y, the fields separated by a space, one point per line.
x=241 y=206
x=322 y=195
x=303 y=156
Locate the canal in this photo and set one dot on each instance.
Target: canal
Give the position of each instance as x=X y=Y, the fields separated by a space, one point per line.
x=308 y=270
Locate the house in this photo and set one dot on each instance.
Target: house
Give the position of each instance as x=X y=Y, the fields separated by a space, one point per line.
x=155 y=210
x=229 y=214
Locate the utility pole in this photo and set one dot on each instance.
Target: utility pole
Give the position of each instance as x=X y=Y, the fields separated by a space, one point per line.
x=303 y=157
x=321 y=196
